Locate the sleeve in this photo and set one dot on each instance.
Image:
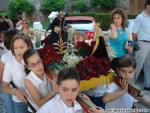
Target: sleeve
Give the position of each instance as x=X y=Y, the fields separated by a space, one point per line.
x=3 y=59
x=7 y=73
x=111 y=87
x=137 y=24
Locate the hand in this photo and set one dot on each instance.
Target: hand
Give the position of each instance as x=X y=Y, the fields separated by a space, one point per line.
x=113 y=27
x=95 y=110
x=129 y=48
x=124 y=84
x=53 y=82
x=20 y=95
x=59 y=29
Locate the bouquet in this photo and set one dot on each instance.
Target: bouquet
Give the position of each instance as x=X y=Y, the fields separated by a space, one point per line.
x=91 y=67
x=49 y=56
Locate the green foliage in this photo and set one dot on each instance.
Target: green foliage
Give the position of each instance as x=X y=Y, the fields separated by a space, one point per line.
x=79 y=5
x=16 y=7
x=52 y=5
x=2 y=13
x=103 y=3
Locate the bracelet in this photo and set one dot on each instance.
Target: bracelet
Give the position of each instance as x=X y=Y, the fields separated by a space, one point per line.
x=13 y=91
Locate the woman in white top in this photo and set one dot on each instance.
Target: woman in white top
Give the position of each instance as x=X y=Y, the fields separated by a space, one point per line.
x=37 y=85
x=14 y=72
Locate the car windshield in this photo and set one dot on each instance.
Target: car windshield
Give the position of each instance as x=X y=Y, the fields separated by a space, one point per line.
x=85 y=25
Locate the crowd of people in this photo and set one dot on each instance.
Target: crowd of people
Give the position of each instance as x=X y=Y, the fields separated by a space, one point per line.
x=27 y=88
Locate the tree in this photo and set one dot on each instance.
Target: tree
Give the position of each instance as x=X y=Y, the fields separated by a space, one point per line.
x=52 y=5
x=16 y=7
x=79 y=5
x=103 y=3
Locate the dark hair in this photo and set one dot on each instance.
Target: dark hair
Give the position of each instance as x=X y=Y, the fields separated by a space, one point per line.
x=67 y=74
x=124 y=61
x=8 y=37
x=23 y=36
x=27 y=55
x=147 y=2
x=123 y=15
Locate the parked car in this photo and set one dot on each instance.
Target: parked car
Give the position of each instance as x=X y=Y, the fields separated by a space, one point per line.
x=86 y=24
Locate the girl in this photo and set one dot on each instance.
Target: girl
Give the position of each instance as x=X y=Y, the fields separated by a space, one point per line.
x=14 y=72
x=118 y=36
x=37 y=86
x=6 y=57
x=68 y=87
x=78 y=37
x=117 y=96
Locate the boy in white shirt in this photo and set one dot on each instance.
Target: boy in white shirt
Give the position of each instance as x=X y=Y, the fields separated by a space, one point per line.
x=68 y=87
x=117 y=97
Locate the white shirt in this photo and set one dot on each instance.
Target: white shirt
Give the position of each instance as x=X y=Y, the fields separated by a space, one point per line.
x=124 y=102
x=14 y=71
x=42 y=86
x=3 y=49
x=7 y=56
x=97 y=92
x=56 y=105
x=142 y=26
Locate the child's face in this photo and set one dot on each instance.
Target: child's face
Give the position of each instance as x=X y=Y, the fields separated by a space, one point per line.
x=35 y=64
x=20 y=46
x=25 y=24
x=127 y=72
x=77 y=38
x=68 y=90
x=117 y=19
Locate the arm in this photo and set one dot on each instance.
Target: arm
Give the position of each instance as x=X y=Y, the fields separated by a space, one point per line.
x=13 y=91
x=110 y=96
x=1 y=70
x=35 y=94
x=145 y=100
x=134 y=36
x=112 y=33
x=7 y=78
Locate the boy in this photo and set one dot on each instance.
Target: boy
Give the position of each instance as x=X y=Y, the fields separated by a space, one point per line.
x=68 y=87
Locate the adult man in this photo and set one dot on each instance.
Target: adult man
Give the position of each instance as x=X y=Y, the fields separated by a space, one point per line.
x=141 y=34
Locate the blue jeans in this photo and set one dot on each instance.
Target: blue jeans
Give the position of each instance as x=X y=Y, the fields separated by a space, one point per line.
x=20 y=107
x=7 y=102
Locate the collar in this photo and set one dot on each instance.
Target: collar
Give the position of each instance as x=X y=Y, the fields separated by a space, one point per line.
x=145 y=14
x=76 y=105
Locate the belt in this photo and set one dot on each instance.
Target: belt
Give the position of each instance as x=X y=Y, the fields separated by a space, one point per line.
x=147 y=41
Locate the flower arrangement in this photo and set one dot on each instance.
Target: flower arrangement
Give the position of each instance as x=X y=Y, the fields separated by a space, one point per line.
x=49 y=55
x=84 y=49
x=92 y=67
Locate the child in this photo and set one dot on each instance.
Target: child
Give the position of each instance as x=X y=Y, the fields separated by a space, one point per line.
x=118 y=97
x=7 y=42
x=118 y=35
x=38 y=88
x=14 y=72
x=78 y=37
x=68 y=87
x=6 y=57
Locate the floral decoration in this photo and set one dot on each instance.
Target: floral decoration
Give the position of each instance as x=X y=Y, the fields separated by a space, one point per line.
x=49 y=55
x=92 y=67
x=84 y=49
